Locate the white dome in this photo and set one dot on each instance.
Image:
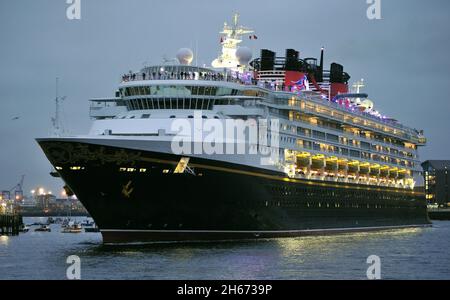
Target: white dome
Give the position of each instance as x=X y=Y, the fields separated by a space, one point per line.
x=367 y=104
x=185 y=56
x=244 y=55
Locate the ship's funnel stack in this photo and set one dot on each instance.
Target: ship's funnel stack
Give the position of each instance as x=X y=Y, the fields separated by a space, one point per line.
x=338 y=80
x=267 y=60
x=292 y=62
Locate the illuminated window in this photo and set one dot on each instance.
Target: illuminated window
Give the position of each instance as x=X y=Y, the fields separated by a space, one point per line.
x=76 y=168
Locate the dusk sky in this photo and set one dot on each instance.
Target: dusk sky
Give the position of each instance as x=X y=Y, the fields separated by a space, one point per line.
x=403 y=58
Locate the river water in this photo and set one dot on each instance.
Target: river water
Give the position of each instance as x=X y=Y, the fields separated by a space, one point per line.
x=422 y=253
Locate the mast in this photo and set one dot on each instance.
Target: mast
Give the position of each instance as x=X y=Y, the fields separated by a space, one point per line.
x=57 y=128
x=321 y=59
x=231 y=38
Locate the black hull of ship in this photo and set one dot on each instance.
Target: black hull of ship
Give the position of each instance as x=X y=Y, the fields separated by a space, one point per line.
x=132 y=199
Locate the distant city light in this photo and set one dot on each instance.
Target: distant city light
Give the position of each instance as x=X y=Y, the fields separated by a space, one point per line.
x=41 y=191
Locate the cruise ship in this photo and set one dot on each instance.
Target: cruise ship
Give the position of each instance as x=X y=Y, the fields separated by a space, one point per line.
x=275 y=146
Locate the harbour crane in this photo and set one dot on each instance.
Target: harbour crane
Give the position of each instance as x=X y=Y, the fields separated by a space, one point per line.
x=18 y=190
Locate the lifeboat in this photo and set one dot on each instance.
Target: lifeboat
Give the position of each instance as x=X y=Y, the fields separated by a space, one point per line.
x=318 y=161
x=303 y=160
x=331 y=164
x=401 y=174
x=374 y=170
x=342 y=165
x=353 y=167
x=364 y=168
x=384 y=171
x=393 y=172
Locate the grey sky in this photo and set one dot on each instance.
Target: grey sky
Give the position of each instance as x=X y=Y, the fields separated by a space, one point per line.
x=403 y=59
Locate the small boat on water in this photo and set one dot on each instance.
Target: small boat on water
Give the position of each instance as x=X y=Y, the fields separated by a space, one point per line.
x=43 y=228
x=72 y=228
x=24 y=228
x=65 y=223
x=87 y=223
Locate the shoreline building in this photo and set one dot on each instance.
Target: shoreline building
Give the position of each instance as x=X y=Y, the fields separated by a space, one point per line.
x=437 y=179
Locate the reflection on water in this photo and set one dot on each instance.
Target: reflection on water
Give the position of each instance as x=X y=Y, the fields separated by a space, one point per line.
x=4 y=240
x=324 y=243
x=404 y=253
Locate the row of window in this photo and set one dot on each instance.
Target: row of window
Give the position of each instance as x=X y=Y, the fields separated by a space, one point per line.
x=343 y=194
x=330 y=204
x=345 y=151
x=349 y=130
x=177 y=91
x=345 y=141
x=316 y=108
x=174 y=103
x=333 y=125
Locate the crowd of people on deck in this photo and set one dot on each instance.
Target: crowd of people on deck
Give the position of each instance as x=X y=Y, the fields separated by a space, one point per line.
x=165 y=75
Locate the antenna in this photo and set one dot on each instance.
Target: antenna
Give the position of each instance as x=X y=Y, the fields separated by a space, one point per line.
x=196 y=52
x=321 y=59
x=57 y=128
x=358 y=85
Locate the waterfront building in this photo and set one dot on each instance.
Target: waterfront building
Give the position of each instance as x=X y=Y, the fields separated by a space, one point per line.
x=437 y=182
x=44 y=201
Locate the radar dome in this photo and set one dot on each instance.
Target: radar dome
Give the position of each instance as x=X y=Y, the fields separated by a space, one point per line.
x=185 y=56
x=367 y=105
x=243 y=54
